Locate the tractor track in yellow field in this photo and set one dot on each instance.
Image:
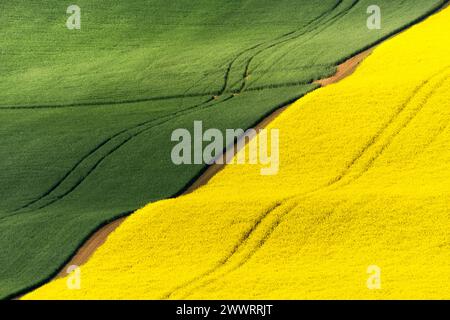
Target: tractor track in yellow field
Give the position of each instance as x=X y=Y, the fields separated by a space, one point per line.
x=345 y=69
x=90 y=162
x=99 y=237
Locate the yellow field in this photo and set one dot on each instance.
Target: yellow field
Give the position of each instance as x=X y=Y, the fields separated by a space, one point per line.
x=364 y=180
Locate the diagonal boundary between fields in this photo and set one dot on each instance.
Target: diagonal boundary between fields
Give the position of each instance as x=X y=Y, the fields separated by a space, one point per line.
x=252 y=230
x=336 y=180
x=124 y=141
x=203 y=281
x=81 y=180
x=423 y=17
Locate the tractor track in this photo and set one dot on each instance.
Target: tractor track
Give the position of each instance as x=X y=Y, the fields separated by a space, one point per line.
x=247 y=235
x=188 y=288
x=124 y=137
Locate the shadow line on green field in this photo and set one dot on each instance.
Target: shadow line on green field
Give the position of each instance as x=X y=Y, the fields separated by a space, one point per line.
x=223 y=90
x=181 y=96
x=122 y=135
x=333 y=182
x=242 y=242
x=160 y=98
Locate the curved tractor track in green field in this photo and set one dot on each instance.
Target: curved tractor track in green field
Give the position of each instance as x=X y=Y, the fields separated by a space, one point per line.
x=83 y=168
x=229 y=64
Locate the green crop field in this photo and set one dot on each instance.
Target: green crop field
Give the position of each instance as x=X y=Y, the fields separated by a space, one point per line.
x=86 y=115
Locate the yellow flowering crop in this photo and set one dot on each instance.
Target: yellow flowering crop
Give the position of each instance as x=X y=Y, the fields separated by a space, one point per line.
x=364 y=183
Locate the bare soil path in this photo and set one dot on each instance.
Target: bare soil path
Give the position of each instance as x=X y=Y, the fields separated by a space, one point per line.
x=99 y=237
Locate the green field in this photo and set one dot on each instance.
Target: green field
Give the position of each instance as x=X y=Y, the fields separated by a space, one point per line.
x=86 y=115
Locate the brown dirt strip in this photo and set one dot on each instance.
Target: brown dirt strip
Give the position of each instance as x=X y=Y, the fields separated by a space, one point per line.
x=88 y=248
x=84 y=253
x=345 y=69
x=98 y=238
